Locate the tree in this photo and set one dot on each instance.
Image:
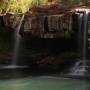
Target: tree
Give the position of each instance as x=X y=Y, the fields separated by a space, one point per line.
x=18 y=5
x=21 y=6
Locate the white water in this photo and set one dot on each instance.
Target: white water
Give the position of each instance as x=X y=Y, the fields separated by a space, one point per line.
x=16 y=45
x=16 y=48
x=80 y=67
x=13 y=67
x=17 y=42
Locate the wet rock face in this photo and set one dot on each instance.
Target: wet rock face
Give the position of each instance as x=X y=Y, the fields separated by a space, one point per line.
x=12 y=20
x=47 y=59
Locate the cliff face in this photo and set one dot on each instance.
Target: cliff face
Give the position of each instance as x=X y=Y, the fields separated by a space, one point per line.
x=56 y=7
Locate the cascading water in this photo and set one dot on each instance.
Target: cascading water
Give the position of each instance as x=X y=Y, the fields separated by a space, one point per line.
x=80 y=66
x=17 y=37
x=16 y=46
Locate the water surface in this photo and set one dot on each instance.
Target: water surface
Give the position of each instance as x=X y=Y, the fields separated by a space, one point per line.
x=44 y=83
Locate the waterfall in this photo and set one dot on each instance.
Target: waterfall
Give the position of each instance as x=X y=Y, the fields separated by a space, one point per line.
x=84 y=51
x=17 y=37
x=80 y=67
x=77 y=69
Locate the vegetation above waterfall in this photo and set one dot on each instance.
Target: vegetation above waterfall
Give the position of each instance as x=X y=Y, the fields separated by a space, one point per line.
x=21 y=6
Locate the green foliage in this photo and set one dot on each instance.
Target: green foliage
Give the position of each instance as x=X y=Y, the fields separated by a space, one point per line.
x=20 y=6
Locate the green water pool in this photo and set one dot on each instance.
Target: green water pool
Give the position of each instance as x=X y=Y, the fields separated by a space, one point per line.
x=44 y=83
